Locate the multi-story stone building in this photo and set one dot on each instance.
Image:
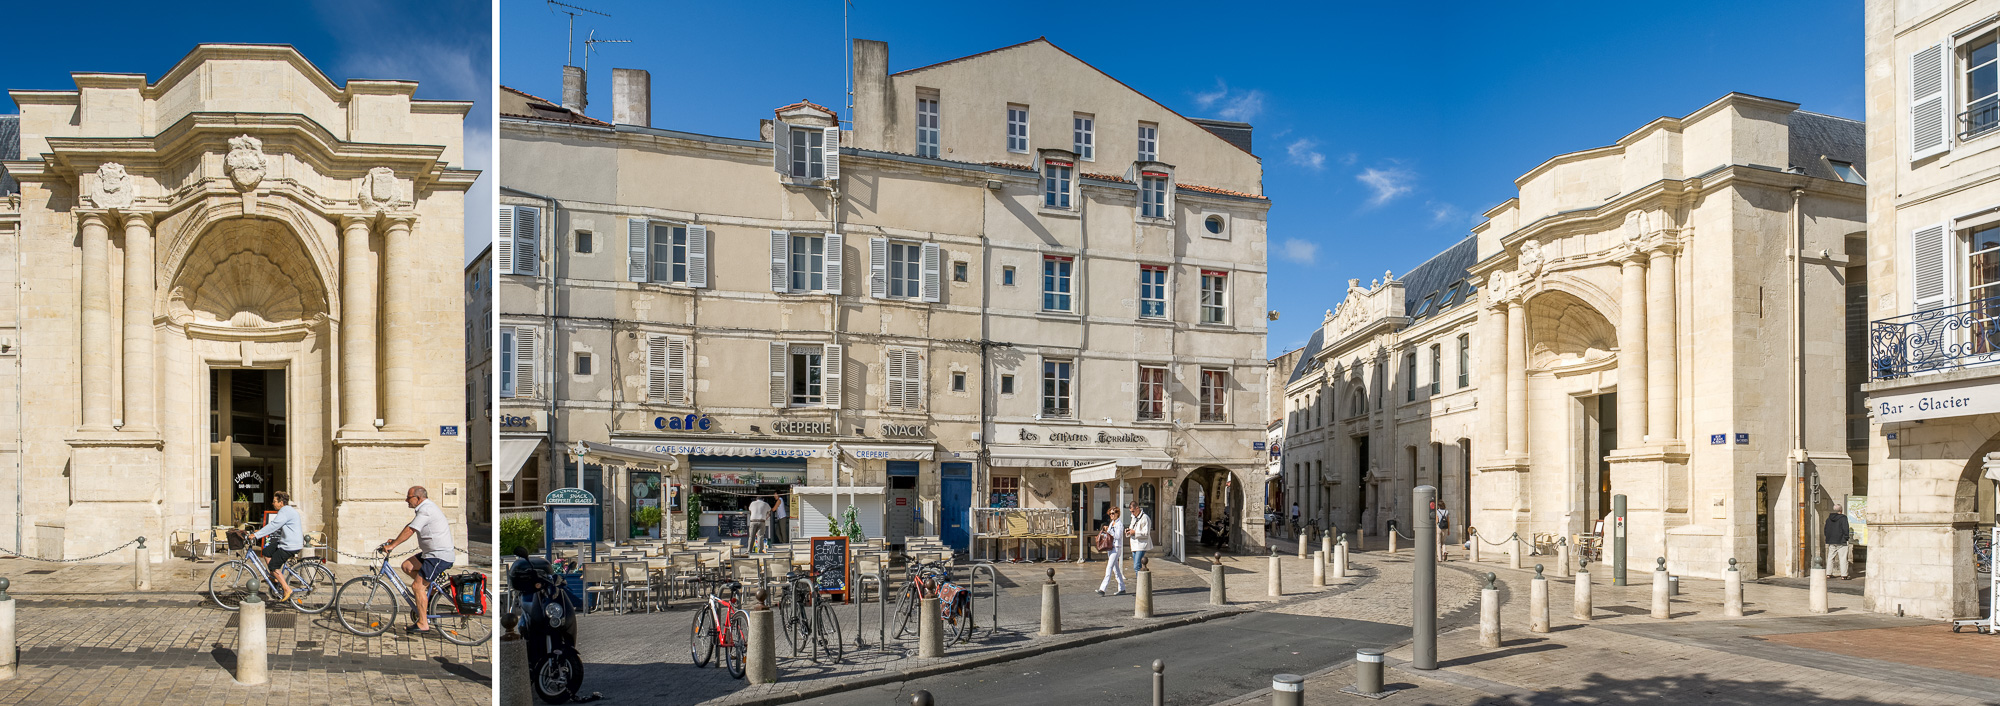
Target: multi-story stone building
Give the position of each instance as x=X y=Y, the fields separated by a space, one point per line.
x=1929 y=299
x=969 y=300
x=1637 y=322
x=233 y=281
x=478 y=427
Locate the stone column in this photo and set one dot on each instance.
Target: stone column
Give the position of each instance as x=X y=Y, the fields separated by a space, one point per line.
x=1517 y=380
x=1662 y=372
x=97 y=323
x=399 y=324
x=139 y=363
x=1632 y=354
x=357 y=327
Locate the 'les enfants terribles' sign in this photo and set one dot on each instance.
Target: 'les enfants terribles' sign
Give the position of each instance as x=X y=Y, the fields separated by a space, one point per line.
x=1933 y=404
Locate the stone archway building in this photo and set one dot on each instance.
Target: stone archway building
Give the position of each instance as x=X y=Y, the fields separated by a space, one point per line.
x=237 y=280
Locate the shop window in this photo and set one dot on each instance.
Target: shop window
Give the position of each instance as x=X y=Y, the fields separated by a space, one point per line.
x=1006 y=492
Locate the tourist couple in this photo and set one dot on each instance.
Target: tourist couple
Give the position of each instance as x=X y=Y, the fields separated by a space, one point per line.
x=1118 y=531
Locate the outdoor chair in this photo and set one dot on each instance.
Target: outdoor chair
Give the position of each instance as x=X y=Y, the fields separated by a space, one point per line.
x=632 y=581
x=597 y=581
x=687 y=573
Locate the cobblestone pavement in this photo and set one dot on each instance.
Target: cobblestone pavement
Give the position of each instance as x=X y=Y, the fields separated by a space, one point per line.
x=86 y=638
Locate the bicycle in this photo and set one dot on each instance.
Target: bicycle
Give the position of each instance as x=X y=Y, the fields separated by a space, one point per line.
x=718 y=625
x=367 y=606
x=312 y=583
x=933 y=580
x=809 y=623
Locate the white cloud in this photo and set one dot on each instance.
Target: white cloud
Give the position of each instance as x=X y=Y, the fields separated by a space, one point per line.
x=1442 y=213
x=1299 y=251
x=1387 y=183
x=1302 y=153
x=1348 y=160
x=1242 y=106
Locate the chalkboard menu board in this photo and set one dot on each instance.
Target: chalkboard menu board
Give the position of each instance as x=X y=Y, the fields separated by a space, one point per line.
x=733 y=524
x=829 y=561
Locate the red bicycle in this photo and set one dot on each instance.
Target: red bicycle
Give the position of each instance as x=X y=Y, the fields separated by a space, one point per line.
x=718 y=626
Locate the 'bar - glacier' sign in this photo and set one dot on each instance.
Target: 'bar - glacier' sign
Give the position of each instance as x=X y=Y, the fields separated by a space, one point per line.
x=1935 y=403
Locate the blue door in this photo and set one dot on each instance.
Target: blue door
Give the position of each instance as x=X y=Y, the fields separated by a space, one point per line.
x=954 y=499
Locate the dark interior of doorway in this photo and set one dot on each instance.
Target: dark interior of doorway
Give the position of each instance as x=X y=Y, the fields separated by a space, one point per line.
x=247 y=435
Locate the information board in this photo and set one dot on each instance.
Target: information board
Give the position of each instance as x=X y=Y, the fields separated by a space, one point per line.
x=571 y=523
x=829 y=563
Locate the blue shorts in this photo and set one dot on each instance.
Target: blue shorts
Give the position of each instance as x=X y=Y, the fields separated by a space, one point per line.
x=432 y=567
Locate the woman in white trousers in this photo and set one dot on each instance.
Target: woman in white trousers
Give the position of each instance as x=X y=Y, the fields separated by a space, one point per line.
x=1116 y=527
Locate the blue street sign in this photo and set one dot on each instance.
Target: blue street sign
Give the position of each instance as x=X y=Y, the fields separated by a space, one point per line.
x=1742 y=438
x=1718 y=438
x=448 y=430
x=1257 y=446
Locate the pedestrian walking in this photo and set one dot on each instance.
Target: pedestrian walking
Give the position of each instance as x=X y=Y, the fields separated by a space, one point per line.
x=1444 y=528
x=1295 y=518
x=1839 y=553
x=781 y=530
x=1111 y=541
x=1140 y=530
x=760 y=523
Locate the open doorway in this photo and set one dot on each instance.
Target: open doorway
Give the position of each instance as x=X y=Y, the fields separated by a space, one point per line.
x=246 y=434
x=1601 y=432
x=1764 y=499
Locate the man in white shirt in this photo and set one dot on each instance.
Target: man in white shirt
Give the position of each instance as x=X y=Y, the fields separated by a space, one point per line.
x=287 y=524
x=780 y=532
x=434 y=553
x=1141 y=532
x=1115 y=528
x=760 y=522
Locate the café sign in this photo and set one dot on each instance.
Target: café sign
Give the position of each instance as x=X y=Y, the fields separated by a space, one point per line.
x=1936 y=403
x=692 y=422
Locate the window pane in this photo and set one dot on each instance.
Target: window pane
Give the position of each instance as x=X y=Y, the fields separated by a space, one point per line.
x=1981 y=81
x=1981 y=54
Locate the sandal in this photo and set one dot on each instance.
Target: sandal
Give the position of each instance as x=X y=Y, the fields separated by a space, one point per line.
x=414 y=630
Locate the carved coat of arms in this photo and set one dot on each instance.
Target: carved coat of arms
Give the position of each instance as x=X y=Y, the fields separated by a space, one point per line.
x=1531 y=258
x=246 y=161
x=380 y=190
x=112 y=188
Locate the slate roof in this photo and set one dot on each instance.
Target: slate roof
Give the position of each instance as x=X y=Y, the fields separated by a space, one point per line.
x=1437 y=275
x=10 y=148
x=1309 y=355
x=1814 y=135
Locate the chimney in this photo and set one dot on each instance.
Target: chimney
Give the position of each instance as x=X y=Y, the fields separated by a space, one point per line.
x=575 y=91
x=632 y=97
x=874 y=107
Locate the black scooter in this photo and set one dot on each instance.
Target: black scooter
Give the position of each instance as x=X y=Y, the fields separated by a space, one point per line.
x=548 y=623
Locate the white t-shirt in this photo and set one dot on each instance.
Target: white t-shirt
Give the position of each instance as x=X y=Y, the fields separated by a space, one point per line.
x=779 y=509
x=433 y=532
x=760 y=511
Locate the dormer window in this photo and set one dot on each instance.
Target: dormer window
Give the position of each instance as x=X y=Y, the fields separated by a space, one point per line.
x=808 y=154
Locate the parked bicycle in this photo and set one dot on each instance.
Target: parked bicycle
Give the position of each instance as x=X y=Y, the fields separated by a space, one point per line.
x=808 y=621
x=313 y=585
x=367 y=605
x=718 y=627
x=933 y=580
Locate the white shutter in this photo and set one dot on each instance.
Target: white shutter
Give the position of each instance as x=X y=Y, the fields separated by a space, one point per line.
x=527 y=235
x=878 y=267
x=656 y=368
x=932 y=288
x=833 y=361
x=503 y=245
x=833 y=153
x=677 y=371
x=892 y=389
x=524 y=362
x=698 y=257
x=779 y=357
x=781 y=142
x=781 y=247
x=913 y=379
x=1930 y=101
x=637 y=269
x=836 y=246
x=1930 y=268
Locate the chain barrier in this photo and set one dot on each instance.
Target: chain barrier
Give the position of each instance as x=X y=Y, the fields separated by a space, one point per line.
x=413 y=550
x=73 y=561
x=1501 y=543
x=1399 y=531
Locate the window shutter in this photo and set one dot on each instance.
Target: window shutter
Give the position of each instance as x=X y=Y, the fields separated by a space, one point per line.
x=781 y=246
x=524 y=362
x=878 y=267
x=1930 y=97
x=913 y=379
x=698 y=257
x=656 y=368
x=931 y=287
x=779 y=357
x=503 y=247
x=781 y=143
x=527 y=234
x=836 y=246
x=892 y=391
x=832 y=146
x=1930 y=269
x=637 y=268
x=677 y=371
x=833 y=361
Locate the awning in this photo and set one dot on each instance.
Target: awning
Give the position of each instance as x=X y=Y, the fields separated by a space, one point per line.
x=755 y=449
x=1107 y=471
x=890 y=452
x=1060 y=457
x=512 y=454
x=607 y=452
x=838 y=489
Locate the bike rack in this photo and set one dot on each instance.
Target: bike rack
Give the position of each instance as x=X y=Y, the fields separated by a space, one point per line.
x=882 y=608
x=992 y=587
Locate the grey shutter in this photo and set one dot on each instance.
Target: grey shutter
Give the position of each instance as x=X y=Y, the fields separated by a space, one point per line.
x=833 y=360
x=1930 y=100
x=527 y=235
x=781 y=143
x=637 y=267
x=781 y=246
x=779 y=357
x=1930 y=268
x=677 y=371
x=878 y=267
x=836 y=246
x=656 y=368
x=832 y=153
x=892 y=389
x=913 y=379
x=503 y=244
x=933 y=290
x=524 y=362
x=698 y=257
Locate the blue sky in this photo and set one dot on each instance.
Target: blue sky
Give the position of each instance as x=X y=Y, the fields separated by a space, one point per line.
x=1385 y=131
x=443 y=44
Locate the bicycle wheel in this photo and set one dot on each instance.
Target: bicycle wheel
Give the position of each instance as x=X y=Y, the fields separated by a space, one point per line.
x=366 y=606
x=701 y=637
x=230 y=583
x=906 y=613
x=826 y=636
x=959 y=626
x=313 y=586
x=459 y=628
x=733 y=644
x=791 y=620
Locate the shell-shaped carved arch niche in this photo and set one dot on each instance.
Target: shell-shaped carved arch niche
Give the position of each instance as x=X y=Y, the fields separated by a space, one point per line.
x=1563 y=330
x=247 y=273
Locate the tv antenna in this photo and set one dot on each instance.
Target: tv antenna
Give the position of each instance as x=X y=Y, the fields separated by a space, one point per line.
x=569 y=45
x=590 y=44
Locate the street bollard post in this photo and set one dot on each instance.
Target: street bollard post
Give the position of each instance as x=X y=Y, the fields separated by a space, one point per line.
x=1368 y=672
x=1472 y=538
x=8 y=670
x=1562 y=559
x=761 y=663
x=1276 y=584
x=1662 y=598
x=1304 y=538
x=142 y=569
x=930 y=630
x=1326 y=541
x=1489 y=614
x=1159 y=683
x=1340 y=559
x=1218 y=590
x=1618 y=540
x=1319 y=569
x=1816 y=596
x=1142 y=599
x=251 y=645
x=515 y=687
x=1538 y=602
x=1288 y=690
x=1514 y=551
x=1393 y=536
x=1732 y=591
x=1423 y=585
x=922 y=698
x=1582 y=605
x=1051 y=606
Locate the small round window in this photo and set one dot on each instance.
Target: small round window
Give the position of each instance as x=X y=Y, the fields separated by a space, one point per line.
x=1214 y=224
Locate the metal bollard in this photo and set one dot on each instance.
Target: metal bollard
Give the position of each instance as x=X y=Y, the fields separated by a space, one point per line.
x=1218 y=589
x=1816 y=596
x=1368 y=672
x=1538 y=602
x=1159 y=683
x=1582 y=605
x=515 y=687
x=1288 y=690
x=1732 y=591
x=142 y=568
x=930 y=630
x=1562 y=559
x=1051 y=606
x=1142 y=600
x=922 y=698
x=761 y=662
x=1276 y=584
x=1489 y=614
x=251 y=647
x=1423 y=586
x=8 y=669
x=1319 y=569
x=1662 y=601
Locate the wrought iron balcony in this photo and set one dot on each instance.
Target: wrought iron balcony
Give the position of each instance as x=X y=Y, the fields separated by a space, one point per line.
x=1946 y=338
x=1979 y=118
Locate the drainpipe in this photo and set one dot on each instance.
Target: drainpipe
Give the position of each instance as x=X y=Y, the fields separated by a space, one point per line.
x=1800 y=463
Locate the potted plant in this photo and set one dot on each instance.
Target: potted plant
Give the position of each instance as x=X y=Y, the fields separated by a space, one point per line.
x=648 y=520
x=520 y=531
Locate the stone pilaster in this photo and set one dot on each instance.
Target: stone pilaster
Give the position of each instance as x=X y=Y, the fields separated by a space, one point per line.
x=357 y=328
x=1517 y=380
x=1632 y=405
x=1663 y=372
x=95 y=348
x=399 y=326
x=140 y=415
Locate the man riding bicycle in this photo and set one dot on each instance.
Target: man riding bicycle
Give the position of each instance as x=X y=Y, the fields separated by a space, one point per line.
x=287 y=525
x=433 y=533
